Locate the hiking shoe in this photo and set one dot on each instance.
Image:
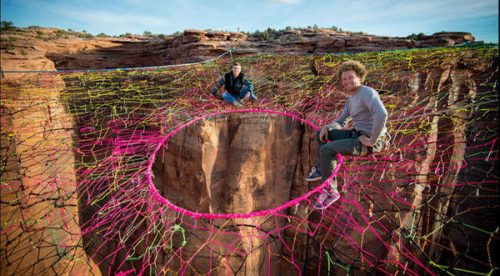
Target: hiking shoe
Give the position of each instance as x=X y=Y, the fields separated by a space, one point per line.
x=326 y=198
x=313 y=175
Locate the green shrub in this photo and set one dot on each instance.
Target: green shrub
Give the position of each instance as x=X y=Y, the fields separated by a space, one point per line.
x=420 y=36
x=7 y=25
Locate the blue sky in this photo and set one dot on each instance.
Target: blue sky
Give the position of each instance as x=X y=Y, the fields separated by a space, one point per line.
x=379 y=17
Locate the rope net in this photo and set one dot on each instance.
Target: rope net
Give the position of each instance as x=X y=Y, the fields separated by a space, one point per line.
x=78 y=171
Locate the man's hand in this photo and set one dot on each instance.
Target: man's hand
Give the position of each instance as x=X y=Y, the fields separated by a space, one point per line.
x=247 y=95
x=366 y=141
x=323 y=134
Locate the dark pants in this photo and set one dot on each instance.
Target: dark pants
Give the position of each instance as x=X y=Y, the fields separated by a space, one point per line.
x=345 y=142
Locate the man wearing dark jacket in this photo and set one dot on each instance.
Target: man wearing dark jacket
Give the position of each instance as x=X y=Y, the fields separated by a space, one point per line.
x=237 y=88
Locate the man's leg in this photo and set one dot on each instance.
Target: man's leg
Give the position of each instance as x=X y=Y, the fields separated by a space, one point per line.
x=333 y=135
x=245 y=93
x=230 y=98
x=328 y=154
x=336 y=134
x=328 y=162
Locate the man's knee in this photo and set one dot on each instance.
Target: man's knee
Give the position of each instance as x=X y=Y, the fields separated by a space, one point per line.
x=227 y=96
x=244 y=89
x=327 y=152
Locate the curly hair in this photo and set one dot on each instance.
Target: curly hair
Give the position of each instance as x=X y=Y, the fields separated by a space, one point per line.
x=355 y=66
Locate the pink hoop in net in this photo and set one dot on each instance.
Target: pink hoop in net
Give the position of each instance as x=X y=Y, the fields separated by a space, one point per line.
x=156 y=195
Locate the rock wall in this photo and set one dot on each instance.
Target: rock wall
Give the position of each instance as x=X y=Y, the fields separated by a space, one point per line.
x=40 y=232
x=22 y=47
x=237 y=163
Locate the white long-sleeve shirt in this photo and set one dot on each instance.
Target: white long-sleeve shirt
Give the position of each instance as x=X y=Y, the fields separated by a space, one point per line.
x=367 y=112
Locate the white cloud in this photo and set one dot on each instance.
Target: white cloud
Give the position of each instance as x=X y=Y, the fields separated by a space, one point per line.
x=389 y=17
x=119 y=21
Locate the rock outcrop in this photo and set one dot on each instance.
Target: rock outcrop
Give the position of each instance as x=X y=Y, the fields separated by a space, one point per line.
x=212 y=159
x=50 y=49
x=237 y=163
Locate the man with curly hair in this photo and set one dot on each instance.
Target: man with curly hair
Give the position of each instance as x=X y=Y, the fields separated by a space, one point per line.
x=365 y=135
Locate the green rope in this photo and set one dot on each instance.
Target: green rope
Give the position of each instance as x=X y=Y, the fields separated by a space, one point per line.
x=177 y=228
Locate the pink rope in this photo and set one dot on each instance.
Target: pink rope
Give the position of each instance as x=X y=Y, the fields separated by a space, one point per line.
x=196 y=215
